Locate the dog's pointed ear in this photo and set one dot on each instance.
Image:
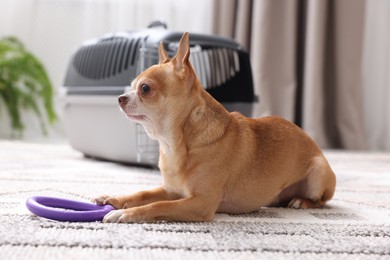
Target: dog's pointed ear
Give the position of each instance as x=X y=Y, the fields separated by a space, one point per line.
x=183 y=52
x=162 y=54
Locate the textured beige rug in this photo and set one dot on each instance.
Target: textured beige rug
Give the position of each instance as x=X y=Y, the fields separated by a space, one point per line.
x=355 y=224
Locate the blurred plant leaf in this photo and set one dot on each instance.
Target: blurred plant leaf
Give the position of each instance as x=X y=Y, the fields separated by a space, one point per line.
x=24 y=84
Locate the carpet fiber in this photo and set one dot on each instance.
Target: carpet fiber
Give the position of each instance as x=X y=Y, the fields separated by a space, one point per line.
x=355 y=224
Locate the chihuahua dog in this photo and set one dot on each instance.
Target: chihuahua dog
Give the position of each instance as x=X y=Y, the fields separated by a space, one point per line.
x=212 y=160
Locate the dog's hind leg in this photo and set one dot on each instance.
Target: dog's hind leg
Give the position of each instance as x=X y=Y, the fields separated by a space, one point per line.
x=318 y=187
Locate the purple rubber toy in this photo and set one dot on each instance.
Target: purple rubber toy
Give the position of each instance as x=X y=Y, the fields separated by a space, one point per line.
x=67 y=210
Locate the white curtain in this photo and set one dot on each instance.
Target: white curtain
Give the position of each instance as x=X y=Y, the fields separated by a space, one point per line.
x=53 y=29
x=376 y=74
x=306 y=57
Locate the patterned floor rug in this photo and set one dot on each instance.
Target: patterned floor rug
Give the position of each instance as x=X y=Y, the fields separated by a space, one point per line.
x=354 y=225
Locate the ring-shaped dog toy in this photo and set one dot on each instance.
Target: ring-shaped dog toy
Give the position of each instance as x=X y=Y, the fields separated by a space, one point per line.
x=67 y=210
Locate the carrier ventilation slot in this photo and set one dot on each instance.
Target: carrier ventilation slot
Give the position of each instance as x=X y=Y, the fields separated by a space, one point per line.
x=106 y=58
x=215 y=66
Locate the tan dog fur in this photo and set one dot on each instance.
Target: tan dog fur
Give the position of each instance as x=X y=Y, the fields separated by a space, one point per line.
x=212 y=160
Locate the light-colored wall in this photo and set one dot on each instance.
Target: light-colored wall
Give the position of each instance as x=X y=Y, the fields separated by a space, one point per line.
x=53 y=30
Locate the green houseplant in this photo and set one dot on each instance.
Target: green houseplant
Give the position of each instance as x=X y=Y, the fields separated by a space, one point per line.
x=24 y=85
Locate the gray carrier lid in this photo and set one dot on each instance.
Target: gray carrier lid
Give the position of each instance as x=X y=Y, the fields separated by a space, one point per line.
x=105 y=66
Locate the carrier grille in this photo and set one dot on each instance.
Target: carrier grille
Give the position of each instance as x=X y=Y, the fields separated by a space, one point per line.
x=215 y=67
x=107 y=57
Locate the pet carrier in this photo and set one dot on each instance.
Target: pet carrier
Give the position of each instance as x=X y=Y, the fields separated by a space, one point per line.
x=101 y=69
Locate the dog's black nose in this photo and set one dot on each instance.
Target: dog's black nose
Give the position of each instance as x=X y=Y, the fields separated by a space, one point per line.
x=122 y=99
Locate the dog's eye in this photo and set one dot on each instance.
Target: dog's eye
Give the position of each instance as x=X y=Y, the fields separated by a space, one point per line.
x=145 y=89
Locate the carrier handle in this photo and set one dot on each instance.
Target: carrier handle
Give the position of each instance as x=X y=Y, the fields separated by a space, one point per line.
x=158 y=23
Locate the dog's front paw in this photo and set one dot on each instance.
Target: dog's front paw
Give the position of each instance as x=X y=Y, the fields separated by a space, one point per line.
x=114 y=216
x=108 y=200
x=125 y=216
x=100 y=200
x=120 y=216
